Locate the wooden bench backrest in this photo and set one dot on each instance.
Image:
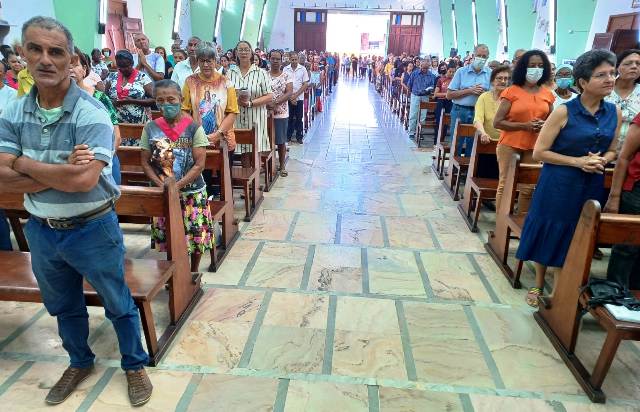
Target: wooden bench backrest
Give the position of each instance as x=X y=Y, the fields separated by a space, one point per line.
x=518 y=173
x=480 y=149
x=130 y=130
x=460 y=131
x=444 y=125
x=428 y=105
x=593 y=227
x=249 y=137
x=271 y=131
x=218 y=162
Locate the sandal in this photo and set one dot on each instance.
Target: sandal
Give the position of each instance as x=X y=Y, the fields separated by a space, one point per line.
x=284 y=173
x=532 y=297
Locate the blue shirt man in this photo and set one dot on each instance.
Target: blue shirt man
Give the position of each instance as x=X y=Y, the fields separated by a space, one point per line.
x=467 y=84
x=418 y=82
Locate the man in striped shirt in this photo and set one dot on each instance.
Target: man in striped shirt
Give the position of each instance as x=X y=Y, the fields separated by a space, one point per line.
x=73 y=231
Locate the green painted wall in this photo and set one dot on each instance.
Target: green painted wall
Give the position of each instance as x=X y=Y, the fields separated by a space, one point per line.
x=573 y=15
x=269 y=18
x=158 y=21
x=83 y=25
x=447 y=26
x=464 y=19
x=522 y=22
x=231 y=22
x=253 y=10
x=203 y=15
x=488 y=24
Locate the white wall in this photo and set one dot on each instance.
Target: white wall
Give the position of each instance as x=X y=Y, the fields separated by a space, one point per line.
x=282 y=32
x=604 y=9
x=431 y=29
x=18 y=12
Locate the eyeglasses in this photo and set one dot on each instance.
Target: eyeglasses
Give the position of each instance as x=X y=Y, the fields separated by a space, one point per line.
x=604 y=75
x=503 y=78
x=243 y=50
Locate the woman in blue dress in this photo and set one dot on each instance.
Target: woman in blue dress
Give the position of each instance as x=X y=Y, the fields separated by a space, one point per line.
x=578 y=139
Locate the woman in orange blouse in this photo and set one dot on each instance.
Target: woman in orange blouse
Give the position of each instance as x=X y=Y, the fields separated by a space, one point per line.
x=523 y=108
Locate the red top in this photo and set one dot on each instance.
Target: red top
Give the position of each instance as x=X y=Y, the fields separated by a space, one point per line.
x=633 y=172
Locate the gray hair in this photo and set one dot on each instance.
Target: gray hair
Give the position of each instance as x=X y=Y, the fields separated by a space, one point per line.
x=480 y=46
x=48 y=23
x=166 y=84
x=587 y=62
x=206 y=50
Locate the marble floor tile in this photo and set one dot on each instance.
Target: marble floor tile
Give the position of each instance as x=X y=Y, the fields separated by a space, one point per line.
x=505 y=293
x=454 y=235
x=315 y=227
x=341 y=201
x=368 y=315
x=7 y=368
x=326 y=397
x=417 y=205
x=14 y=314
x=408 y=233
x=288 y=349
x=297 y=310
x=269 y=225
x=29 y=391
x=383 y=204
x=394 y=272
x=363 y=230
x=404 y=400
x=234 y=393
x=168 y=387
x=302 y=200
x=279 y=265
x=525 y=358
x=336 y=268
x=368 y=355
x=234 y=264
x=485 y=403
x=452 y=276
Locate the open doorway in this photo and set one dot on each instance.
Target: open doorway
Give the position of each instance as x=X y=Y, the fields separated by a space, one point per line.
x=357 y=32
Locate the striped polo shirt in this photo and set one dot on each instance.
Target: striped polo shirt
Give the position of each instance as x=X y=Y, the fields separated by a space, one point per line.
x=25 y=131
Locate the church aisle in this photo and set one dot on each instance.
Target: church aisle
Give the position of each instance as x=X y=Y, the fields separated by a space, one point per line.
x=356 y=287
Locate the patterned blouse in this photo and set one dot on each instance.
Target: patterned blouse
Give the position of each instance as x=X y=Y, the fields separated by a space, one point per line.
x=258 y=83
x=130 y=113
x=629 y=107
x=279 y=87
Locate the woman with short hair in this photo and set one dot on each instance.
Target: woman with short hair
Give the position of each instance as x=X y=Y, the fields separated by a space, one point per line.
x=626 y=92
x=576 y=142
x=282 y=86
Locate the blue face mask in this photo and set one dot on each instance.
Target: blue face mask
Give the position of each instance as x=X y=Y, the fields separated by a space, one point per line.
x=564 y=83
x=170 y=111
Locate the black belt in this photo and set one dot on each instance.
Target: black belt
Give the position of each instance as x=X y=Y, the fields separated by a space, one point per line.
x=466 y=107
x=73 y=222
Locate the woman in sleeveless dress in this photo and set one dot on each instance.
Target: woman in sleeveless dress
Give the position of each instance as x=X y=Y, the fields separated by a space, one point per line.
x=575 y=143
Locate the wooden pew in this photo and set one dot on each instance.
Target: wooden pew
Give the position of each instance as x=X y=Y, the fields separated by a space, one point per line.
x=458 y=165
x=145 y=277
x=477 y=187
x=559 y=316
x=442 y=146
x=268 y=158
x=508 y=223
x=429 y=108
x=246 y=178
x=131 y=172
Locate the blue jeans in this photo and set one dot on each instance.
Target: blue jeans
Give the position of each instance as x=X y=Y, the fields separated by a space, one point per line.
x=5 y=234
x=465 y=115
x=331 y=76
x=115 y=169
x=61 y=260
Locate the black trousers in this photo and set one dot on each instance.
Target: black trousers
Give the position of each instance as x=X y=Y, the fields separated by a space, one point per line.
x=624 y=263
x=295 y=120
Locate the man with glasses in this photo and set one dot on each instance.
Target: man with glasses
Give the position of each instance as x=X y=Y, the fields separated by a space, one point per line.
x=187 y=67
x=300 y=78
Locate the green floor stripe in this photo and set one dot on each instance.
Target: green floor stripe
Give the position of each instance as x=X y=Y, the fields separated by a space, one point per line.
x=373 y=392
x=409 y=361
x=465 y=400
x=255 y=330
x=327 y=363
x=424 y=276
x=486 y=353
x=364 y=264
x=292 y=226
x=15 y=376
x=336 y=240
x=483 y=278
x=311 y=253
x=404 y=212
x=434 y=238
x=96 y=390
x=99 y=331
x=250 y=264
x=385 y=231
x=281 y=396
x=190 y=390
x=557 y=406
x=18 y=331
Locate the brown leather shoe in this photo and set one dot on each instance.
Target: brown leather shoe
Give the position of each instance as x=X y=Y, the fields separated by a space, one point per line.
x=140 y=387
x=70 y=379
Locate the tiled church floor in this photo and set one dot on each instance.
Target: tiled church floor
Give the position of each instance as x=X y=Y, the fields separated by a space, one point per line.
x=356 y=287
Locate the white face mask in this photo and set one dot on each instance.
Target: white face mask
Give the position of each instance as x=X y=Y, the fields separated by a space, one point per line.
x=534 y=74
x=478 y=62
